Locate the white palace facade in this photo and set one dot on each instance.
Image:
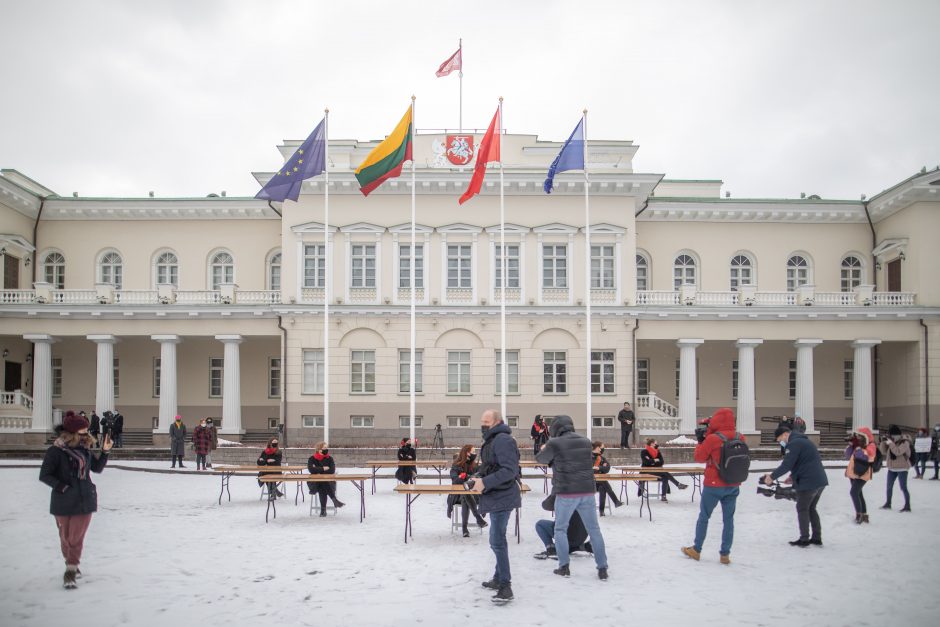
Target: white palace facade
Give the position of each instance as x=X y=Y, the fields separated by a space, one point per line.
x=214 y=306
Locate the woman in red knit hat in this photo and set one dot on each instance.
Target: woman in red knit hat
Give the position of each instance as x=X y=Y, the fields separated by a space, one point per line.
x=66 y=469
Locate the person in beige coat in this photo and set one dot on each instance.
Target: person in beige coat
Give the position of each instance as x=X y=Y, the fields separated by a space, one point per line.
x=861 y=453
x=897 y=451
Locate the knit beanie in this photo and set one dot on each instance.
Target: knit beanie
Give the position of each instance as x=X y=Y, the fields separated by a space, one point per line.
x=74 y=423
x=894 y=430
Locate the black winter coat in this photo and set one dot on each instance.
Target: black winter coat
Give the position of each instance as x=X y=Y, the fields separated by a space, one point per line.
x=648 y=461
x=467 y=471
x=569 y=455
x=406 y=474
x=801 y=459
x=499 y=470
x=70 y=495
x=601 y=466
x=95 y=427
x=325 y=466
x=626 y=418
x=118 y=427
x=539 y=433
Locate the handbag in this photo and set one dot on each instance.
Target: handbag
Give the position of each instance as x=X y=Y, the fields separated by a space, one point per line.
x=860 y=466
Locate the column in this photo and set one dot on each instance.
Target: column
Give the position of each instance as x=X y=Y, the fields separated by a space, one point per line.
x=231 y=385
x=688 y=386
x=42 y=381
x=805 y=407
x=747 y=418
x=862 y=384
x=168 y=395
x=104 y=388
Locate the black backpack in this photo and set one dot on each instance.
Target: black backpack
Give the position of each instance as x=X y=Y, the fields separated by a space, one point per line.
x=734 y=461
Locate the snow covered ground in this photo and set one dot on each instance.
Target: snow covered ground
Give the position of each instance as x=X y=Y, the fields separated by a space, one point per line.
x=161 y=551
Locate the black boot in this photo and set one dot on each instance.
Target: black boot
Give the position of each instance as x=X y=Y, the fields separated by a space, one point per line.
x=602 y=574
x=466 y=532
x=801 y=542
x=492 y=584
x=503 y=594
x=563 y=571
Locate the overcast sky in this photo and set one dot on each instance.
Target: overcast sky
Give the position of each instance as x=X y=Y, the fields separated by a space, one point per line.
x=187 y=97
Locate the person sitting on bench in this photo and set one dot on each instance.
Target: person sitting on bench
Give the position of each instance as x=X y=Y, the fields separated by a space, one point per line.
x=320 y=463
x=602 y=467
x=652 y=457
x=270 y=456
x=465 y=464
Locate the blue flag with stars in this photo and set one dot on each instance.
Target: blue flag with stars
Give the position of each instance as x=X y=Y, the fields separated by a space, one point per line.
x=571 y=157
x=308 y=161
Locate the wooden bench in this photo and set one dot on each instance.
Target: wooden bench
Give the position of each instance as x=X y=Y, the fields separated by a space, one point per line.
x=440 y=465
x=540 y=466
x=642 y=480
x=227 y=472
x=357 y=480
x=695 y=472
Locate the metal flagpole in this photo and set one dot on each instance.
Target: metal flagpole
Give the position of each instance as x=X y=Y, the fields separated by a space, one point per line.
x=327 y=268
x=460 y=76
x=587 y=273
x=411 y=283
x=503 y=375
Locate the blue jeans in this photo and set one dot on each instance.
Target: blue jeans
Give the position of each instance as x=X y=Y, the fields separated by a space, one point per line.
x=901 y=477
x=921 y=466
x=728 y=497
x=565 y=506
x=546 y=531
x=498 y=523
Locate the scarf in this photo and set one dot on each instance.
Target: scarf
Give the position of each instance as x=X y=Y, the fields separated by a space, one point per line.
x=79 y=458
x=319 y=456
x=654 y=452
x=270 y=451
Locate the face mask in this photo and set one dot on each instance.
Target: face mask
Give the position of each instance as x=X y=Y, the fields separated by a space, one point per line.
x=783 y=445
x=273 y=444
x=325 y=451
x=602 y=450
x=484 y=431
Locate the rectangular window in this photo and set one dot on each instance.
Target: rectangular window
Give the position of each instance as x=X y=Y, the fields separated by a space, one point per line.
x=275 y=276
x=313 y=422
x=848 y=374
x=512 y=266
x=167 y=273
x=512 y=421
x=404 y=371
x=274 y=377
x=642 y=274
x=363 y=265
x=642 y=377
x=404 y=422
x=156 y=377
x=602 y=372
x=362 y=422
x=791 y=379
x=602 y=421
x=554 y=372
x=57 y=376
x=313 y=371
x=602 y=267
x=273 y=423
x=458 y=372
x=734 y=379
x=459 y=265
x=216 y=366
x=362 y=372
x=314 y=265
x=115 y=367
x=404 y=266
x=512 y=372
x=458 y=421
x=555 y=266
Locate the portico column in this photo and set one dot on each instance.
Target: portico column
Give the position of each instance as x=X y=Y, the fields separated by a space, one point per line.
x=104 y=388
x=688 y=386
x=862 y=384
x=231 y=385
x=746 y=419
x=168 y=397
x=42 y=381
x=805 y=406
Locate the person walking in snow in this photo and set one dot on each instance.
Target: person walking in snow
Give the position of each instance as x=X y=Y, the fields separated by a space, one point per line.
x=177 y=441
x=861 y=453
x=935 y=452
x=214 y=432
x=66 y=469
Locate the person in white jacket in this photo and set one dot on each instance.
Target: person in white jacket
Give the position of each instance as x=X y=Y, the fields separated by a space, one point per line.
x=921 y=452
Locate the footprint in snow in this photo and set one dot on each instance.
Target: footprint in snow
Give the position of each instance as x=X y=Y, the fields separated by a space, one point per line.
x=264 y=578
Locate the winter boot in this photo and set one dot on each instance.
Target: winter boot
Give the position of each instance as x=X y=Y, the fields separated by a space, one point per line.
x=563 y=571
x=337 y=503
x=466 y=532
x=618 y=503
x=800 y=542
x=602 y=512
x=492 y=584
x=683 y=486
x=816 y=541
x=602 y=574
x=322 y=512
x=690 y=551
x=504 y=594
x=68 y=579
x=481 y=522
x=547 y=553
x=725 y=559
x=886 y=506
x=906 y=508
x=865 y=519
x=858 y=519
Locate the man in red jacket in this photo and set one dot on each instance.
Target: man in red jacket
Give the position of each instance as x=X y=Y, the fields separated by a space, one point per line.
x=715 y=490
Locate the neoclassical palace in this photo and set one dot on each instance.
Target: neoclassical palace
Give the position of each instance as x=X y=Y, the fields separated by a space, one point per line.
x=213 y=306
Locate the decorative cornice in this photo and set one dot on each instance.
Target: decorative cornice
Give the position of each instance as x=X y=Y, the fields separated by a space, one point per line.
x=753 y=210
x=157 y=209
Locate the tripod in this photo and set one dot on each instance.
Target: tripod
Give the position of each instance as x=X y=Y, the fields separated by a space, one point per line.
x=437 y=444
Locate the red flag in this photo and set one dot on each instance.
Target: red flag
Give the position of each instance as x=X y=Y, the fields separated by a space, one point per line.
x=489 y=151
x=455 y=62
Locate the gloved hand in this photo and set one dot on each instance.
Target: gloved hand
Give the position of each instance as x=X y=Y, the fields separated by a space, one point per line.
x=470 y=484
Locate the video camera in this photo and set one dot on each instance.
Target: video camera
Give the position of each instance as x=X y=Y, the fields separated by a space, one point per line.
x=777 y=490
x=701 y=430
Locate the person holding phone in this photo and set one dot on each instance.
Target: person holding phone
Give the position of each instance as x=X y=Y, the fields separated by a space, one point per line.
x=406 y=453
x=66 y=469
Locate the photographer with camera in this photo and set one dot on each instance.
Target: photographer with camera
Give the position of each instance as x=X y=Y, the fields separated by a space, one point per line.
x=802 y=461
x=898 y=451
x=539 y=434
x=861 y=453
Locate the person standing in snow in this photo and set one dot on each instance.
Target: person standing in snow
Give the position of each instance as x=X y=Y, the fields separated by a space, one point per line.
x=897 y=451
x=66 y=469
x=202 y=440
x=178 y=441
x=626 y=418
x=861 y=453
x=539 y=434
x=935 y=452
x=214 y=432
x=922 y=452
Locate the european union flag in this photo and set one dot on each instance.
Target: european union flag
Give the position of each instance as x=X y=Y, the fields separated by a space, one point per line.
x=307 y=161
x=571 y=157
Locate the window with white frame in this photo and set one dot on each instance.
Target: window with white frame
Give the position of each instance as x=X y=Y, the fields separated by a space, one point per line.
x=313 y=371
x=602 y=372
x=642 y=376
x=111 y=269
x=116 y=374
x=274 y=272
x=851 y=273
x=404 y=422
x=156 y=377
x=313 y=422
x=602 y=421
x=362 y=422
x=404 y=266
x=274 y=377
x=362 y=372
x=459 y=265
x=642 y=273
x=555 y=266
x=512 y=372
x=314 y=265
x=54 y=270
x=167 y=269
x=221 y=270
x=216 y=368
x=512 y=421
x=273 y=423
x=404 y=371
x=734 y=379
x=512 y=266
x=458 y=421
x=791 y=379
x=56 y=376
x=554 y=372
x=362 y=265
x=458 y=372
x=742 y=272
x=683 y=271
x=848 y=374
x=602 y=267
x=797 y=272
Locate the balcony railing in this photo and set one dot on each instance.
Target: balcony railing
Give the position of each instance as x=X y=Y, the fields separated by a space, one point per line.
x=895 y=299
x=198 y=297
x=15 y=424
x=650 y=297
x=775 y=299
x=74 y=297
x=17 y=297
x=136 y=297
x=258 y=297
x=16 y=399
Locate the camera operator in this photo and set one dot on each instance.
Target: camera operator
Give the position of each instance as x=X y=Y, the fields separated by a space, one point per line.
x=802 y=461
x=897 y=450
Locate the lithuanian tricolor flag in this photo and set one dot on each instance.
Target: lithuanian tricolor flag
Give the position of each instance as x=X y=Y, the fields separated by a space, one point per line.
x=386 y=160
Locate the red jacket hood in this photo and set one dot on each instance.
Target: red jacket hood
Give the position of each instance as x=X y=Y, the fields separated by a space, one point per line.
x=722 y=420
x=868 y=434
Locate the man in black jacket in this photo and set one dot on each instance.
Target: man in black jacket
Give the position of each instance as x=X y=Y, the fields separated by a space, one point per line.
x=801 y=459
x=569 y=456
x=626 y=418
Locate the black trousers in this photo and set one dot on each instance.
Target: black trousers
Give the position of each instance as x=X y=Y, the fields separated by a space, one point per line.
x=806 y=513
x=858 y=499
x=604 y=489
x=468 y=504
x=625 y=436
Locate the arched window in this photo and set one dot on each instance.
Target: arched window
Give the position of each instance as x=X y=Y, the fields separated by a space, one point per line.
x=742 y=272
x=221 y=270
x=111 y=269
x=851 y=273
x=54 y=270
x=642 y=273
x=274 y=272
x=797 y=272
x=167 y=269
x=683 y=271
